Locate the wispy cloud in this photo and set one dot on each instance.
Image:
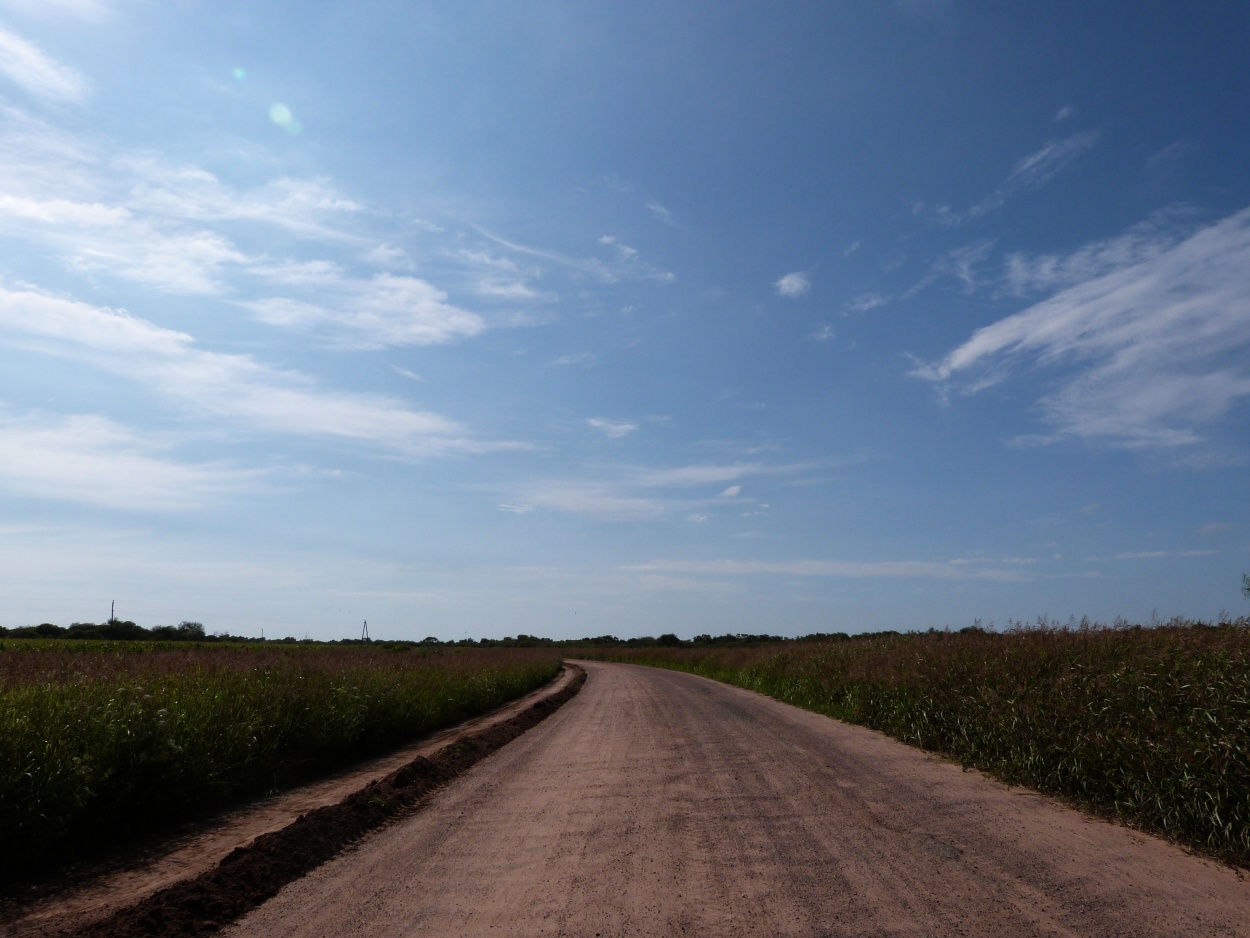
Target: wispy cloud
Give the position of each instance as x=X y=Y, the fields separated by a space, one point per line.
x=1157 y=348
x=823 y=333
x=496 y=277
x=1026 y=274
x=515 y=509
x=625 y=264
x=1157 y=554
x=575 y=358
x=1037 y=169
x=386 y=310
x=1064 y=113
x=907 y=569
x=144 y=220
x=1030 y=173
x=599 y=501
x=36 y=73
x=91 y=460
x=793 y=285
x=236 y=388
x=633 y=493
x=866 y=301
x=660 y=212
x=90 y=10
x=613 y=429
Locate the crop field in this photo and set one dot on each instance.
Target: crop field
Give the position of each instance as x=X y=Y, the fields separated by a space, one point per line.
x=1150 y=725
x=103 y=738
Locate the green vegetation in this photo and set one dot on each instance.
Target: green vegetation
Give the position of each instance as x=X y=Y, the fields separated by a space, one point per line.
x=99 y=739
x=1150 y=725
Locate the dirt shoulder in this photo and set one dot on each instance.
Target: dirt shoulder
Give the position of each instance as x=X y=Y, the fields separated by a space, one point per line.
x=230 y=863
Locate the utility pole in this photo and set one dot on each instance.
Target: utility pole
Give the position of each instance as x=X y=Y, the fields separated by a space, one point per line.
x=364 y=632
x=113 y=612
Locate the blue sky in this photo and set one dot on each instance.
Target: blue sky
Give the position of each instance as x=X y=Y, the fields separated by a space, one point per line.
x=478 y=318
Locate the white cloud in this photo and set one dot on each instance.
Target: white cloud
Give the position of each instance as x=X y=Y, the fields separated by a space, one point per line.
x=388 y=310
x=387 y=255
x=595 y=500
x=793 y=285
x=55 y=9
x=866 y=301
x=961 y=263
x=498 y=277
x=613 y=429
x=907 y=569
x=574 y=358
x=1158 y=554
x=185 y=193
x=93 y=461
x=823 y=334
x=1064 y=113
x=1037 y=169
x=627 y=265
x=516 y=509
x=1039 y=273
x=27 y=66
x=643 y=494
x=1157 y=348
x=660 y=212
x=1031 y=172
x=141 y=219
x=233 y=387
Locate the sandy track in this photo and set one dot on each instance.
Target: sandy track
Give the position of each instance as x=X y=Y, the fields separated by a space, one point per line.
x=657 y=803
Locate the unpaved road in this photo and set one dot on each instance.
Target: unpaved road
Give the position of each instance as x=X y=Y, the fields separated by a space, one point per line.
x=657 y=803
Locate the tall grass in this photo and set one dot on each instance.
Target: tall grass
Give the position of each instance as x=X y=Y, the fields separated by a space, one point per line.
x=1151 y=725
x=100 y=738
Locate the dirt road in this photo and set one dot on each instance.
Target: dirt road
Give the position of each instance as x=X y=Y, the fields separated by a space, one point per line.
x=657 y=803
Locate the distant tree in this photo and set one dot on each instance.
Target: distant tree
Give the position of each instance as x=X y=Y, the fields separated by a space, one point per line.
x=190 y=630
x=120 y=629
x=668 y=640
x=1245 y=585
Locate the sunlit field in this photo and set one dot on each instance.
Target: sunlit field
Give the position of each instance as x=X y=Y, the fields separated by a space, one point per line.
x=1150 y=725
x=105 y=738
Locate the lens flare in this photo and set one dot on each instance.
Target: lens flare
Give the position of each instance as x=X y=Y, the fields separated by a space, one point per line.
x=281 y=115
x=240 y=74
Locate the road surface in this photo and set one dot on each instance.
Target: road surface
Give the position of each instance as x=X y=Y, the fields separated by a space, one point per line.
x=658 y=803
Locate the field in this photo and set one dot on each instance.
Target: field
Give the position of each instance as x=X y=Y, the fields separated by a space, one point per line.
x=99 y=739
x=1150 y=725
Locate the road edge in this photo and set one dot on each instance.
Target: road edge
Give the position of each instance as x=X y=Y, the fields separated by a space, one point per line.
x=252 y=874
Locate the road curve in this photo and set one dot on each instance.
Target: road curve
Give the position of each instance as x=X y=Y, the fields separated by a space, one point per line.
x=658 y=803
